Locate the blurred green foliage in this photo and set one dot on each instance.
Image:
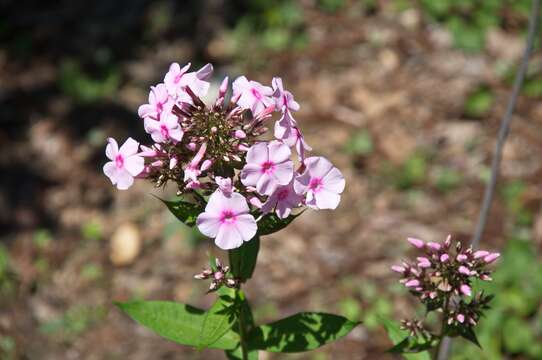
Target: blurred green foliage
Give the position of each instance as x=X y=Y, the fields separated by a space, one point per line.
x=479 y=102
x=6 y=281
x=76 y=320
x=469 y=20
x=513 y=197
x=412 y=172
x=360 y=143
x=84 y=87
x=91 y=230
x=268 y=26
x=447 y=179
x=513 y=327
x=7 y=348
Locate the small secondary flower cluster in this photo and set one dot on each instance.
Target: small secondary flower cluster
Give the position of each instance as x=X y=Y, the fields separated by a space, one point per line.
x=441 y=278
x=218 y=276
x=217 y=150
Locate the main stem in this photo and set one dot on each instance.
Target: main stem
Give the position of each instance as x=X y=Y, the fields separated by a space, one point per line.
x=444 y=348
x=242 y=327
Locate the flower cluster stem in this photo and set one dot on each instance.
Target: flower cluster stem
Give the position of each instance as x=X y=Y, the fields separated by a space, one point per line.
x=444 y=347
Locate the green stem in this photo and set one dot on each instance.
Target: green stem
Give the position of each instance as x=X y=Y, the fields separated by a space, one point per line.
x=242 y=327
x=443 y=325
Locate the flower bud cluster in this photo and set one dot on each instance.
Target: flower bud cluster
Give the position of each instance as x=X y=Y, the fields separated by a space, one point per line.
x=441 y=278
x=219 y=277
x=218 y=150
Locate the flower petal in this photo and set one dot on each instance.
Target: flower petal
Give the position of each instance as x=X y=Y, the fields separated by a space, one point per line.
x=134 y=164
x=112 y=149
x=258 y=153
x=284 y=172
x=266 y=184
x=250 y=174
x=124 y=179
x=236 y=203
x=130 y=147
x=246 y=226
x=208 y=224
x=110 y=170
x=278 y=152
x=326 y=199
x=228 y=237
x=334 y=181
x=318 y=166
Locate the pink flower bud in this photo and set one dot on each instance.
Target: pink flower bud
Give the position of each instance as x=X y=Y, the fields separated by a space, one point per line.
x=485 y=277
x=424 y=262
x=434 y=245
x=218 y=275
x=491 y=257
x=448 y=241
x=461 y=257
x=412 y=283
x=416 y=242
x=444 y=258
x=240 y=134
x=206 y=165
x=460 y=318
x=254 y=201
x=398 y=269
x=433 y=294
x=173 y=162
x=242 y=147
x=480 y=254
x=465 y=290
x=464 y=270
x=223 y=87
x=191 y=146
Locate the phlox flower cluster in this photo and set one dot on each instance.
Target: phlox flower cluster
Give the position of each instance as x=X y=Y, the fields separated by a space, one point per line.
x=441 y=278
x=218 y=152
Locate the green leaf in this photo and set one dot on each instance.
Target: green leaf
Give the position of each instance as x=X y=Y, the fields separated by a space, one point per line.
x=271 y=223
x=218 y=319
x=301 y=332
x=237 y=354
x=185 y=211
x=397 y=336
x=412 y=344
x=468 y=334
x=243 y=259
x=176 y=322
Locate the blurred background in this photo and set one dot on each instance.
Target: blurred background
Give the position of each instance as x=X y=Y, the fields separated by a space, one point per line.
x=405 y=97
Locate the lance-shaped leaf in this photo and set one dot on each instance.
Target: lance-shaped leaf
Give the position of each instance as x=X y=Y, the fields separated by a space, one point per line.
x=271 y=223
x=301 y=332
x=186 y=212
x=177 y=322
x=400 y=339
x=243 y=259
x=219 y=319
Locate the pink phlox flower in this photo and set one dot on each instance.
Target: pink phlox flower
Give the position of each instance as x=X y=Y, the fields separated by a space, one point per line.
x=178 y=78
x=252 y=95
x=193 y=169
x=283 y=98
x=165 y=129
x=321 y=183
x=224 y=185
x=268 y=165
x=125 y=163
x=227 y=220
x=159 y=102
x=283 y=200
